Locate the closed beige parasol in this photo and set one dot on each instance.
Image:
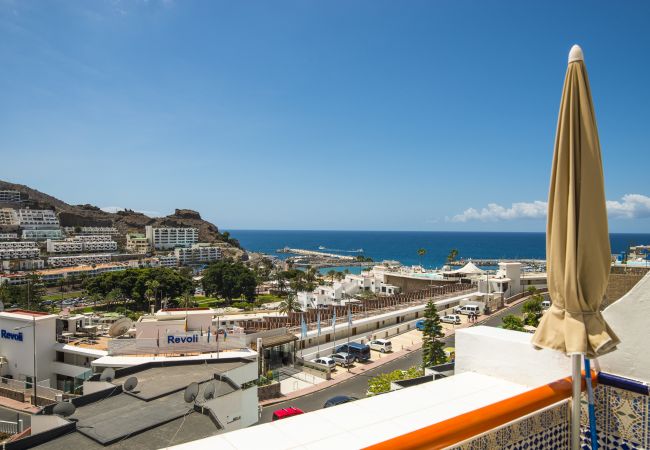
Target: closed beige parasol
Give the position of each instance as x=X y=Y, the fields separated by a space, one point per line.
x=578 y=255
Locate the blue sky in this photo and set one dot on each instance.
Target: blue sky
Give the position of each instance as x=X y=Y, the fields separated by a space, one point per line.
x=319 y=115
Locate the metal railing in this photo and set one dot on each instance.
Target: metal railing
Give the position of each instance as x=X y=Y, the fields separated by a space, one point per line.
x=9 y=427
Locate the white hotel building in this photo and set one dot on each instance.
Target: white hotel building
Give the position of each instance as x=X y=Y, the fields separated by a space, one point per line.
x=42 y=235
x=18 y=250
x=167 y=238
x=78 y=260
x=9 y=196
x=8 y=216
x=37 y=218
x=197 y=254
x=79 y=246
x=90 y=231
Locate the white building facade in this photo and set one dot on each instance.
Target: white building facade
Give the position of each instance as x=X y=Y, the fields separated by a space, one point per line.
x=37 y=218
x=9 y=196
x=19 y=250
x=197 y=254
x=164 y=238
x=78 y=260
x=42 y=235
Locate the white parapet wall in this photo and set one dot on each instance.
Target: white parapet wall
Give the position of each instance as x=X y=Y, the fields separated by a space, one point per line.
x=508 y=355
x=628 y=317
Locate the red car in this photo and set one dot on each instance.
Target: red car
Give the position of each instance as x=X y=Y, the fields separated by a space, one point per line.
x=286 y=412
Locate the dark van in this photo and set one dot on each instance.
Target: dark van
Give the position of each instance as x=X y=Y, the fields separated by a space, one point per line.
x=360 y=352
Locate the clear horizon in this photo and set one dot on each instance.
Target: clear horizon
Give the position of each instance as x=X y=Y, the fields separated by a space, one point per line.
x=425 y=116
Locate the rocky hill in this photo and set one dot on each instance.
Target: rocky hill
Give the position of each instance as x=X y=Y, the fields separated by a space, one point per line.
x=125 y=221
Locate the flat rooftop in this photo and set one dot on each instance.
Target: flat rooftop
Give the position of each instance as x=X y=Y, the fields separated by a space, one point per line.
x=157 y=381
x=371 y=420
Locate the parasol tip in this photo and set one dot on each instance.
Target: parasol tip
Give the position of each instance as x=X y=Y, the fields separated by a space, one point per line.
x=576 y=54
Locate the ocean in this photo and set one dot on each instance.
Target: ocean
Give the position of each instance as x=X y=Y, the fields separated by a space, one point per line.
x=402 y=246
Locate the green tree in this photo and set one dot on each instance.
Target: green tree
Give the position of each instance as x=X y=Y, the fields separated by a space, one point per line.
x=229 y=279
x=187 y=300
x=331 y=273
x=421 y=253
x=453 y=254
x=381 y=383
x=290 y=304
x=433 y=348
x=532 y=309
x=512 y=322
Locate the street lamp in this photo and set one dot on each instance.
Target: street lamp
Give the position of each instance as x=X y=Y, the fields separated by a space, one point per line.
x=34 y=378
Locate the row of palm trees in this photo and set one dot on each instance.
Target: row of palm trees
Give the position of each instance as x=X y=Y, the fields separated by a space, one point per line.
x=453 y=254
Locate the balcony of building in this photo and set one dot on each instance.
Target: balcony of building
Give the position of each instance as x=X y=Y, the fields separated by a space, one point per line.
x=504 y=394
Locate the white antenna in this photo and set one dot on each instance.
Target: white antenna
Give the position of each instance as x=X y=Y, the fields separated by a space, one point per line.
x=191 y=392
x=120 y=327
x=130 y=384
x=64 y=409
x=107 y=375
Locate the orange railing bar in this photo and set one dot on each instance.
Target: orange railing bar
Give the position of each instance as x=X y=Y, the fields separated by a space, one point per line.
x=465 y=426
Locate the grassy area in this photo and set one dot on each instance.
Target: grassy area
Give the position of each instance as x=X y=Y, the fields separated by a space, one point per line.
x=63 y=295
x=269 y=298
x=208 y=301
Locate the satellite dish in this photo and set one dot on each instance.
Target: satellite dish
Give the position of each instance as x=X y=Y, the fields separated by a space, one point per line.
x=130 y=384
x=64 y=409
x=107 y=375
x=120 y=327
x=191 y=392
x=208 y=392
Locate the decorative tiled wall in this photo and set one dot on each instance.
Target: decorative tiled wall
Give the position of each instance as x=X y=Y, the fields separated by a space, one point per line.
x=546 y=430
x=622 y=419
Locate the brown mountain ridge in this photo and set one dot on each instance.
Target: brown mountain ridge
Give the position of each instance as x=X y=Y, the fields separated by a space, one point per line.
x=126 y=221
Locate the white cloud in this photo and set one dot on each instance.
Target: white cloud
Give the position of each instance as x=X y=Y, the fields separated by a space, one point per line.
x=494 y=212
x=114 y=209
x=631 y=206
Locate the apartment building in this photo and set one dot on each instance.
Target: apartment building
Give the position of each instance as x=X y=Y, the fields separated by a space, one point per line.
x=42 y=235
x=18 y=250
x=197 y=254
x=100 y=246
x=89 y=231
x=15 y=265
x=137 y=243
x=78 y=260
x=8 y=196
x=8 y=216
x=64 y=246
x=77 y=246
x=167 y=260
x=164 y=238
x=91 y=238
x=34 y=219
x=8 y=236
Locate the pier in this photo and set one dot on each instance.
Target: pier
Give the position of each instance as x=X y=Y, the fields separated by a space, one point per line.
x=300 y=251
x=495 y=262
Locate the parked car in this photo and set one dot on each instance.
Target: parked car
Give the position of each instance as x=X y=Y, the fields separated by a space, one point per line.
x=468 y=309
x=325 y=361
x=343 y=359
x=420 y=324
x=338 y=400
x=451 y=318
x=360 y=352
x=381 y=345
x=283 y=413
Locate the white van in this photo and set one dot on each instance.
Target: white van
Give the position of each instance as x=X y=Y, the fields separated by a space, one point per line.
x=546 y=304
x=468 y=309
x=381 y=345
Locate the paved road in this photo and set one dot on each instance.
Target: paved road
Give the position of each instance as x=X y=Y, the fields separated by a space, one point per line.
x=357 y=386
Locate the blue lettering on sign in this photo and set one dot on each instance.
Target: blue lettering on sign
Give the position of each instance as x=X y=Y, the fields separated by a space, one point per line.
x=181 y=339
x=11 y=336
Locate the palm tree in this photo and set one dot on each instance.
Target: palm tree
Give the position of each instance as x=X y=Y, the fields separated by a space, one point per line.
x=148 y=294
x=453 y=254
x=331 y=273
x=187 y=300
x=421 y=253
x=153 y=285
x=290 y=304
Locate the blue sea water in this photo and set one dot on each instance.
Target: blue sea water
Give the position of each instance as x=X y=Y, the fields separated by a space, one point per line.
x=403 y=245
